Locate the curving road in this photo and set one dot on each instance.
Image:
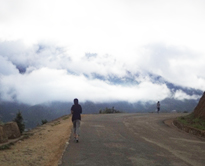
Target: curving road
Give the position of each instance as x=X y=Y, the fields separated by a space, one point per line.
x=133 y=140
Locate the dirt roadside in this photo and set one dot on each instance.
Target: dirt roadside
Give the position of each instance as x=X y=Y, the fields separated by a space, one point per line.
x=44 y=145
x=175 y=123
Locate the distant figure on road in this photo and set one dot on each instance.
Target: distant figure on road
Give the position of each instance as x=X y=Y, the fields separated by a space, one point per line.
x=158 y=107
x=76 y=110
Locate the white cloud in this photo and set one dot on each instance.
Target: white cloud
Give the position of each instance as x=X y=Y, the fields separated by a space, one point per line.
x=46 y=84
x=52 y=74
x=178 y=65
x=180 y=95
x=6 y=67
x=165 y=38
x=104 y=25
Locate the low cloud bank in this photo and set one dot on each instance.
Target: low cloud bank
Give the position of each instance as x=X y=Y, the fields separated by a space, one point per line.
x=45 y=72
x=47 y=84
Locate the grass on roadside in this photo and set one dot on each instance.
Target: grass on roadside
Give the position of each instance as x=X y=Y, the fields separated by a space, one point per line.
x=6 y=146
x=191 y=121
x=66 y=117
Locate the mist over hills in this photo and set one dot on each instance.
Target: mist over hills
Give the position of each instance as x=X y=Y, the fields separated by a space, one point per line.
x=131 y=79
x=34 y=114
x=111 y=61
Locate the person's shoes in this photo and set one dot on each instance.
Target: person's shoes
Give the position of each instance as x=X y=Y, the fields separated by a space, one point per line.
x=77 y=141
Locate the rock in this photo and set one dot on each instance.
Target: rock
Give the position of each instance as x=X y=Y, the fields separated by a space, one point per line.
x=199 y=111
x=3 y=136
x=12 y=130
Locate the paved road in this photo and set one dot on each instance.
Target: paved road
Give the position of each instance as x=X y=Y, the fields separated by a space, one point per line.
x=133 y=140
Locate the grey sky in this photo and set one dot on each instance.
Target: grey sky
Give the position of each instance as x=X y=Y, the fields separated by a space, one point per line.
x=60 y=41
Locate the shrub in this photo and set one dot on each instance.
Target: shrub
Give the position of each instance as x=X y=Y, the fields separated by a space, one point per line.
x=6 y=146
x=19 y=121
x=1 y=123
x=44 y=121
x=109 y=111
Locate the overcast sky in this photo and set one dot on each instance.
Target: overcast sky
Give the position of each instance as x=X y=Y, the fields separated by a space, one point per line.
x=57 y=42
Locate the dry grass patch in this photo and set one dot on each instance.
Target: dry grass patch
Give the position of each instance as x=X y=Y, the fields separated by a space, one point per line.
x=191 y=121
x=43 y=145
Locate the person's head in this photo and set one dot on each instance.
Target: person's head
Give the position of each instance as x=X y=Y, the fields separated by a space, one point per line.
x=76 y=101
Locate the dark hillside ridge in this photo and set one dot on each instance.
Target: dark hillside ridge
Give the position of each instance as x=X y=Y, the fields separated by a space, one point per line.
x=33 y=115
x=133 y=79
x=199 y=111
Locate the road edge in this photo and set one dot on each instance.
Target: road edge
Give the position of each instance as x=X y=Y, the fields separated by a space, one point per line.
x=189 y=129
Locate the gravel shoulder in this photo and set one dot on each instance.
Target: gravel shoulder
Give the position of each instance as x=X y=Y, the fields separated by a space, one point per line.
x=44 y=145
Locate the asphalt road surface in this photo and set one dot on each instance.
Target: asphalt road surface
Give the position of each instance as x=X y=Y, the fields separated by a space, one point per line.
x=133 y=140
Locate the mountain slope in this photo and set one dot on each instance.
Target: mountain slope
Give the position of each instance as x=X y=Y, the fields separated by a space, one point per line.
x=33 y=115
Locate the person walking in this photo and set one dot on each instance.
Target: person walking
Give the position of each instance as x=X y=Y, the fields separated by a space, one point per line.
x=76 y=111
x=158 y=107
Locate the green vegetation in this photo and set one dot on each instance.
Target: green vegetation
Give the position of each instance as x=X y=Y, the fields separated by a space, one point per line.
x=66 y=117
x=44 y=121
x=191 y=121
x=6 y=146
x=56 y=123
x=19 y=121
x=1 y=123
x=26 y=135
x=109 y=111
